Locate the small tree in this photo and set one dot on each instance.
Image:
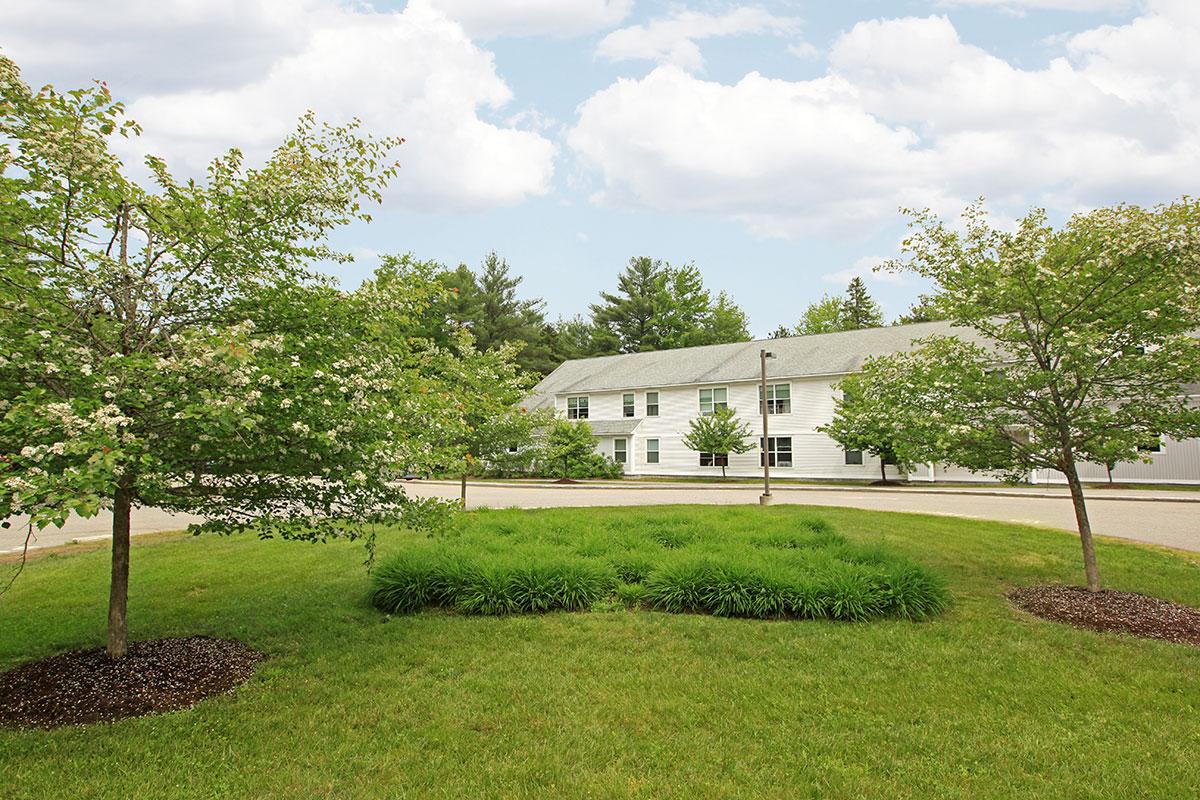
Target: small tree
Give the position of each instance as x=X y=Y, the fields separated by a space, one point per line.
x=719 y=432
x=482 y=390
x=1085 y=341
x=866 y=419
x=570 y=443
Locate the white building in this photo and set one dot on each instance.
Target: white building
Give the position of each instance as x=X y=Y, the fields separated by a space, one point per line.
x=639 y=405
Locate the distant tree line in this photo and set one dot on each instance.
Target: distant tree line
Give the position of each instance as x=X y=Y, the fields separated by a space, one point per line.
x=655 y=306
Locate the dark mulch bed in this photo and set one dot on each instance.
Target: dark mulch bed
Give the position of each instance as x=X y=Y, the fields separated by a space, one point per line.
x=1111 y=611
x=156 y=676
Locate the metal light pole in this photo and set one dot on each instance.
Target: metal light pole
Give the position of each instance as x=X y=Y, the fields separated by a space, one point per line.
x=765 y=499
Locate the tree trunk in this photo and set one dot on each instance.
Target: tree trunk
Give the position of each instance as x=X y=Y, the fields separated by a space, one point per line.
x=722 y=472
x=883 y=469
x=1085 y=527
x=462 y=497
x=118 y=596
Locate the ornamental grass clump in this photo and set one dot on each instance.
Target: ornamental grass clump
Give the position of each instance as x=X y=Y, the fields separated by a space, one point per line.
x=782 y=566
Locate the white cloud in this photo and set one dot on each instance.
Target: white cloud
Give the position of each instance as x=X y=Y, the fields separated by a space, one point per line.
x=413 y=74
x=152 y=45
x=672 y=40
x=864 y=268
x=487 y=19
x=1020 y=6
x=909 y=114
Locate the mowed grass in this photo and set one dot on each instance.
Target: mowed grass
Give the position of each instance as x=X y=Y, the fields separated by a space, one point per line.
x=799 y=569
x=979 y=701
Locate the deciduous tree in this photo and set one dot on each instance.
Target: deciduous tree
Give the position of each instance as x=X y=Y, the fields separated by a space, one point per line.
x=174 y=347
x=719 y=433
x=1079 y=341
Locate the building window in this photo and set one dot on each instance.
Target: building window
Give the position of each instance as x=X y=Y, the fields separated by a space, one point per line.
x=714 y=459
x=779 y=398
x=712 y=399
x=651 y=404
x=627 y=405
x=779 y=448
x=854 y=457
x=620 y=450
x=577 y=408
x=1152 y=445
x=652 y=451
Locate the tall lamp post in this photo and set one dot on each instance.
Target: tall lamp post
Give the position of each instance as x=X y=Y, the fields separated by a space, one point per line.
x=765 y=499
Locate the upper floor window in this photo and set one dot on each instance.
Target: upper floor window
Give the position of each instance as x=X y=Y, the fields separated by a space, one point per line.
x=577 y=408
x=651 y=404
x=779 y=398
x=1151 y=445
x=712 y=399
x=627 y=406
x=779 y=449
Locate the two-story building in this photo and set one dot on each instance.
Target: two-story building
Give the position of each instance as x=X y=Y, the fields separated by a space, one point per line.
x=639 y=406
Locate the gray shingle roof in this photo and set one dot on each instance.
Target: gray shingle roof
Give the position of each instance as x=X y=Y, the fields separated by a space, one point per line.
x=613 y=427
x=795 y=357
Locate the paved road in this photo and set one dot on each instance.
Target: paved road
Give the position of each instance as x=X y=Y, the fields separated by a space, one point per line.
x=1164 y=518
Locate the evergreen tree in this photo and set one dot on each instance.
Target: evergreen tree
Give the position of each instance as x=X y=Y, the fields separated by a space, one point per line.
x=782 y=332
x=659 y=307
x=633 y=314
x=859 y=309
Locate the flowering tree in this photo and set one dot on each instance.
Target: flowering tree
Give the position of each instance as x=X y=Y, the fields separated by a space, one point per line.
x=867 y=419
x=173 y=347
x=1079 y=344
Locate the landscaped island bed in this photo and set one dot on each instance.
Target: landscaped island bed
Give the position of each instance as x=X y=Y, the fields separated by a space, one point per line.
x=771 y=567
x=981 y=700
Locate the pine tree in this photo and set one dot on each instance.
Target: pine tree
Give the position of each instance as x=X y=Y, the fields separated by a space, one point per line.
x=860 y=309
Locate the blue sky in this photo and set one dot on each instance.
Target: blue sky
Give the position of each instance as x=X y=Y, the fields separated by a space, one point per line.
x=769 y=143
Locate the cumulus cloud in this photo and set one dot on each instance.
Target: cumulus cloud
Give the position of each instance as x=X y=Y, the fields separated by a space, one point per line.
x=150 y=45
x=1021 y=6
x=413 y=73
x=864 y=268
x=487 y=19
x=672 y=40
x=909 y=114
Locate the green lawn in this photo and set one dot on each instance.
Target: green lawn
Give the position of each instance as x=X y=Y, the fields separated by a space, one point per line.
x=981 y=701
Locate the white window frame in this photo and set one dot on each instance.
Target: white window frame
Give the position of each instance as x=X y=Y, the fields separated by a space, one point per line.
x=714 y=459
x=713 y=403
x=850 y=463
x=772 y=449
x=581 y=404
x=621 y=454
x=653 y=453
x=774 y=403
x=650 y=405
x=629 y=404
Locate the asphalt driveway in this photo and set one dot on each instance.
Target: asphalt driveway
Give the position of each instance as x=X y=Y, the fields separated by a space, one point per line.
x=1166 y=518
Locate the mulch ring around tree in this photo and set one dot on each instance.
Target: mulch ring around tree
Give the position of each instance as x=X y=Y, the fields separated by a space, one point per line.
x=86 y=686
x=1112 y=612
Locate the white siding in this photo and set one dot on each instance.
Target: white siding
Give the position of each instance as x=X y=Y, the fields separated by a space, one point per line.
x=814 y=455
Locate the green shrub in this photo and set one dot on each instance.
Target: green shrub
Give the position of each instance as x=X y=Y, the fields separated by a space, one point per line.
x=784 y=567
x=633 y=566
